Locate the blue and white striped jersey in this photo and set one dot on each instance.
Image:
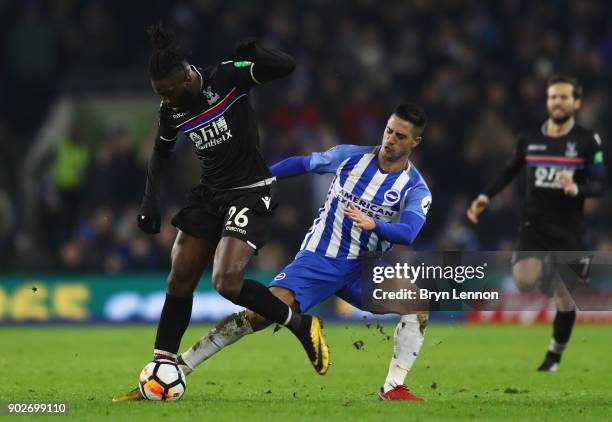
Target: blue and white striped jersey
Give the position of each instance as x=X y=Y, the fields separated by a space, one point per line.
x=359 y=180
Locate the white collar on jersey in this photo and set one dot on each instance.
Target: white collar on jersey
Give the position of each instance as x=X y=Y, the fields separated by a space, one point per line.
x=545 y=124
x=200 y=75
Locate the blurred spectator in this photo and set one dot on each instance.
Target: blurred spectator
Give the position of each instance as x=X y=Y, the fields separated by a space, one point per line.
x=68 y=172
x=127 y=177
x=100 y=188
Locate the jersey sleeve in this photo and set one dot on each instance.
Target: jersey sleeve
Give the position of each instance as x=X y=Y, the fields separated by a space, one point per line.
x=596 y=172
x=595 y=156
x=330 y=160
x=418 y=201
x=257 y=65
x=239 y=74
x=164 y=145
x=510 y=170
x=166 y=131
x=416 y=206
x=265 y=64
x=289 y=167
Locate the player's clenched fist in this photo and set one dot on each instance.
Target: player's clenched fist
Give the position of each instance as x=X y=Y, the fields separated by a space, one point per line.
x=567 y=182
x=245 y=49
x=149 y=222
x=478 y=205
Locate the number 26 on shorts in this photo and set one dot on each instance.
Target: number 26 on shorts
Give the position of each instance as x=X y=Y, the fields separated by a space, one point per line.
x=240 y=218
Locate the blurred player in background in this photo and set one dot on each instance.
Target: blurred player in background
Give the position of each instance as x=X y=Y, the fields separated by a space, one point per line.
x=377 y=199
x=564 y=166
x=227 y=216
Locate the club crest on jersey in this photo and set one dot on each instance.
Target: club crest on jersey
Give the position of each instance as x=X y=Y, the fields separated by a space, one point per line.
x=392 y=196
x=211 y=97
x=570 y=149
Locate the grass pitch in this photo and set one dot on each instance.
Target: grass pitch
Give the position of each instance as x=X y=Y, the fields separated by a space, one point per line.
x=466 y=372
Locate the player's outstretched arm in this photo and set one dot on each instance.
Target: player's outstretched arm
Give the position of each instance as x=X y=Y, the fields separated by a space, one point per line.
x=508 y=173
x=292 y=166
x=268 y=64
x=149 y=217
x=317 y=162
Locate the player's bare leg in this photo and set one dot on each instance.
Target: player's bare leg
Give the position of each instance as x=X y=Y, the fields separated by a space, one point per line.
x=562 y=328
x=231 y=258
x=526 y=273
x=190 y=256
x=231 y=329
x=407 y=338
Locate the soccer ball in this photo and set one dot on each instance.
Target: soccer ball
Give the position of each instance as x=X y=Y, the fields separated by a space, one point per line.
x=162 y=380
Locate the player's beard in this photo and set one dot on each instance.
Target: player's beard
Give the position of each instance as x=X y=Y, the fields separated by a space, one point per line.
x=560 y=120
x=389 y=156
x=394 y=155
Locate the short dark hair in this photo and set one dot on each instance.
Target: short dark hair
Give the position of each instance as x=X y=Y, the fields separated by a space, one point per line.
x=412 y=113
x=565 y=79
x=167 y=56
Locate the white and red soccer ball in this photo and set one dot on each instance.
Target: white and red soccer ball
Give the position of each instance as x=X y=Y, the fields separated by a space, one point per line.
x=162 y=380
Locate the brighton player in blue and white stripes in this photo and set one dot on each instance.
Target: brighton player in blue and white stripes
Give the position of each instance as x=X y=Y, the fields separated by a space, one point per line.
x=376 y=199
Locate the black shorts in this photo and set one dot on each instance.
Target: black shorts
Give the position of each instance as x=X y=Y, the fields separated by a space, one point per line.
x=246 y=214
x=547 y=237
x=542 y=240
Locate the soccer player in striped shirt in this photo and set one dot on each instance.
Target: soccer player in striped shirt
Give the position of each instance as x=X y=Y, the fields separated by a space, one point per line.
x=377 y=199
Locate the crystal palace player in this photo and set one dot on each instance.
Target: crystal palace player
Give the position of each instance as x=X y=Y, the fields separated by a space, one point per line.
x=378 y=198
x=227 y=215
x=565 y=166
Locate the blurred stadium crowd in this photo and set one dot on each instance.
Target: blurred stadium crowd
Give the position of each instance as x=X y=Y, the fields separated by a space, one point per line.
x=478 y=68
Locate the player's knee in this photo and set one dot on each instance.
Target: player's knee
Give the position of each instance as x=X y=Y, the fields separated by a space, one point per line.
x=181 y=283
x=565 y=304
x=523 y=284
x=526 y=276
x=227 y=283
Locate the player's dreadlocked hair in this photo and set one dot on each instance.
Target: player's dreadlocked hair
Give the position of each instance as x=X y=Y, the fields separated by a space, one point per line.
x=166 y=56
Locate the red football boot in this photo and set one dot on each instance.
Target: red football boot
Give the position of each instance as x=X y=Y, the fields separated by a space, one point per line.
x=400 y=392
